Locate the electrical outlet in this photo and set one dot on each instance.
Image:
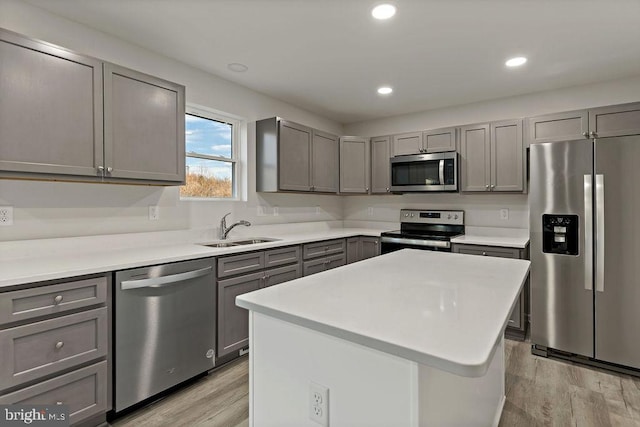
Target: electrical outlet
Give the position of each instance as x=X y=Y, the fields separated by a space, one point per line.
x=504 y=213
x=261 y=211
x=154 y=213
x=6 y=215
x=276 y=211
x=370 y=211
x=318 y=210
x=319 y=404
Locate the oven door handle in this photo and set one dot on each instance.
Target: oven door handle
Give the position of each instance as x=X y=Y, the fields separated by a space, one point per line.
x=415 y=242
x=441 y=171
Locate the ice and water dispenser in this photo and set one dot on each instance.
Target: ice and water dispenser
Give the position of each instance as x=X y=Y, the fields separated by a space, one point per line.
x=560 y=234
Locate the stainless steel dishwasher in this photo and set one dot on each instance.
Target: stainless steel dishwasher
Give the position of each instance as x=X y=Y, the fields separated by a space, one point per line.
x=165 y=328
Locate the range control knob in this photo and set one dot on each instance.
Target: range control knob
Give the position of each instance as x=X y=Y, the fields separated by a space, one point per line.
x=411 y=215
x=449 y=216
x=406 y=215
x=456 y=216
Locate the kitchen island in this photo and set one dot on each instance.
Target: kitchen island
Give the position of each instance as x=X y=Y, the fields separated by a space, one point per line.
x=410 y=338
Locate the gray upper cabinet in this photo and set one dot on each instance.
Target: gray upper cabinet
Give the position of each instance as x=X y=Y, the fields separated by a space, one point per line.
x=491 y=157
x=558 y=127
x=507 y=156
x=438 y=140
x=618 y=120
x=50 y=109
x=475 y=162
x=324 y=162
x=71 y=117
x=380 y=166
x=143 y=126
x=407 y=143
x=354 y=165
x=293 y=157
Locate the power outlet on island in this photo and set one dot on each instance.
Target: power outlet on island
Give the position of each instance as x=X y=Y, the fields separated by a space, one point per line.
x=6 y=215
x=504 y=214
x=319 y=404
x=154 y=213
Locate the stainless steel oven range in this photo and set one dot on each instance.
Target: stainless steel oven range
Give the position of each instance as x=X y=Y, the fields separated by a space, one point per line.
x=424 y=229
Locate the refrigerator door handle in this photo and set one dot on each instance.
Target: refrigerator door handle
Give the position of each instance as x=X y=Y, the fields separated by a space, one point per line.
x=600 y=233
x=588 y=234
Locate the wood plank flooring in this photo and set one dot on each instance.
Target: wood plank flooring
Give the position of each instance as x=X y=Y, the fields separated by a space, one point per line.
x=540 y=392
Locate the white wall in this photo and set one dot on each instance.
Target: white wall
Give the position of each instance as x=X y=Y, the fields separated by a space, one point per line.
x=481 y=209
x=54 y=209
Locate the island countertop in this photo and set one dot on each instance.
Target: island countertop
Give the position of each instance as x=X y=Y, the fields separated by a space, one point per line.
x=439 y=309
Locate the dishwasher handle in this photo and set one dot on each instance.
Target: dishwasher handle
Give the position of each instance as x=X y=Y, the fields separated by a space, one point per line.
x=159 y=282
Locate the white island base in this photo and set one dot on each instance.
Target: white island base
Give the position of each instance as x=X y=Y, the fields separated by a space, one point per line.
x=367 y=387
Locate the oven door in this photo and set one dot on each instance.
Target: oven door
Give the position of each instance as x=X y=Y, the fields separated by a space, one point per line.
x=392 y=244
x=425 y=172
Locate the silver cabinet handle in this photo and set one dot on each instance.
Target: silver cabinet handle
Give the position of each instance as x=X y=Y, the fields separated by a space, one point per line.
x=59 y=345
x=600 y=233
x=100 y=170
x=592 y=134
x=366 y=189
x=486 y=186
x=585 y=134
x=158 y=282
x=109 y=169
x=493 y=186
x=388 y=189
x=58 y=403
x=484 y=253
x=588 y=234
x=58 y=299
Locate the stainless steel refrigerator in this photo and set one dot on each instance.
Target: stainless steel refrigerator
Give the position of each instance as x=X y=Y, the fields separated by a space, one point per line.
x=585 y=248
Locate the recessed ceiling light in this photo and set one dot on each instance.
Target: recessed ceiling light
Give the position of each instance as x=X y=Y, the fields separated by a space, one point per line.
x=516 y=62
x=383 y=11
x=237 y=67
x=384 y=90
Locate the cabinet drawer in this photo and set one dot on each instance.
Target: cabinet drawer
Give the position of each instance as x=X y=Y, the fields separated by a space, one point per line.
x=282 y=274
x=328 y=247
x=42 y=348
x=488 y=251
x=45 y=300
x=282 y=256
x=84 y=391
x=322 y=264
x=239 y=264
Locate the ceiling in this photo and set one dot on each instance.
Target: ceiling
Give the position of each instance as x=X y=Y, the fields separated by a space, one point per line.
x=329 y=56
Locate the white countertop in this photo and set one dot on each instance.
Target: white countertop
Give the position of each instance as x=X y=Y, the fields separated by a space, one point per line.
x=440 y=309
x=493 y=236
x=89 y=258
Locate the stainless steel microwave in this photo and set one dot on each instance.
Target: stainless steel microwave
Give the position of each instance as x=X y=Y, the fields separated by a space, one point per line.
x=425 y=172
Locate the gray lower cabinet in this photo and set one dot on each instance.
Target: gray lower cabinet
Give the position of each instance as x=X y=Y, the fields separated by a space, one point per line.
x=242 y=273
x=294 y=157
x=517 y=323
x=54 y=346
x=67 y=116
x=362 y=247
x=324 y=255
x=492 y=157
x=354 y=165
x=380 y=165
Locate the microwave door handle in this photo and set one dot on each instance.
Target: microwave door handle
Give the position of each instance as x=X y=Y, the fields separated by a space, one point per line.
x=441 y=171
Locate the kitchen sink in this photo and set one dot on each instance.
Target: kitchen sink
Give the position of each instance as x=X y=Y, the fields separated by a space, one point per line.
x=249 y=241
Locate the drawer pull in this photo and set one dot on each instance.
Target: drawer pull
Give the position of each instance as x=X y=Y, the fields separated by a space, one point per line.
x=326 y=248
x=57 y=300
x=59 y=345
x=58 y=403
x=484 y=253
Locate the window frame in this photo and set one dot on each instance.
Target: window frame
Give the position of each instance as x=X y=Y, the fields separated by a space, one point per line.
x=236 y=123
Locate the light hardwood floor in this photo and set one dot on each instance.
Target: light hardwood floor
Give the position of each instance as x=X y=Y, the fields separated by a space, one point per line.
x=540 y=392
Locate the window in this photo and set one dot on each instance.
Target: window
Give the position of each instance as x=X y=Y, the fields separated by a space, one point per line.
x=210 y=155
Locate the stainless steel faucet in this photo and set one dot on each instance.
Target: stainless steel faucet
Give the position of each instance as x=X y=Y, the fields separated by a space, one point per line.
x=224 y=231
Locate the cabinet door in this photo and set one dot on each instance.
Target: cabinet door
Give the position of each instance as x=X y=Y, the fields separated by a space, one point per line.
x=507 y=156
x=275 y=276
x=50 y=109
x=353 y=249
x=370 y=247
x=475 y=162
x=354 y=165
x=325 y=164
x=233 y=321
x=619 y=120
x=558 y=127
x=439 y=140
x=407 y=143
x=294 y=156
x=143 y=126
x=380 y=165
